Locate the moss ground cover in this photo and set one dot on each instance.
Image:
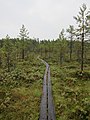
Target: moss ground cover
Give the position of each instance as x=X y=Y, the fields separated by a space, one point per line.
x=71 y=92
x=21 y=90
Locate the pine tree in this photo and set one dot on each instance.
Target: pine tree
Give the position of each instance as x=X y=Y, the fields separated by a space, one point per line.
x=82 y=29
x=24 y=36
x=62 y=46
x=7 y=48
x=71 y=32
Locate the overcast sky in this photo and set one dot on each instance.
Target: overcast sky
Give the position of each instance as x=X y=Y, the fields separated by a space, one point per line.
x=44 y=19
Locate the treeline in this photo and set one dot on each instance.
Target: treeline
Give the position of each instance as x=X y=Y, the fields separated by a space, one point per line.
x=60 y=50
x=15 y=50
x=75 y=47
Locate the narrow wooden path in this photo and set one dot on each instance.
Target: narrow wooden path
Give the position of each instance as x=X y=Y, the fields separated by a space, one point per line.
x=47 y=109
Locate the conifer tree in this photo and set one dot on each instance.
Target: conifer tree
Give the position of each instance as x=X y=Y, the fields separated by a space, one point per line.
x=7 y=47
x=23 y=36
x=62 y=46
x=71 y=32
x=81 y=19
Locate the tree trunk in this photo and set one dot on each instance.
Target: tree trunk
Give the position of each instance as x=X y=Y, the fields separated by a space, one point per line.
x=82 y=54
x=82 y=44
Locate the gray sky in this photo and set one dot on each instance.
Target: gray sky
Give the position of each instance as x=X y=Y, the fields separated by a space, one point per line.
x=44 y=19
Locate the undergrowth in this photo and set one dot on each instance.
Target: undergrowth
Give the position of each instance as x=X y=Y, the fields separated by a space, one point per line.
x=71 y=92
x=21 y=90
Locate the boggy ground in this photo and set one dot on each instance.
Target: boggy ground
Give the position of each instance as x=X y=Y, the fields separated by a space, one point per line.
x=21 y=90
x=71 y=91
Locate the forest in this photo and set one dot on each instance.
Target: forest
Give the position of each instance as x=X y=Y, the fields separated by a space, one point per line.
x=21 y=72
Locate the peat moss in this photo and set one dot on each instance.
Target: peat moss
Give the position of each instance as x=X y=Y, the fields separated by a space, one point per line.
x=71 y=93
x=21 y=90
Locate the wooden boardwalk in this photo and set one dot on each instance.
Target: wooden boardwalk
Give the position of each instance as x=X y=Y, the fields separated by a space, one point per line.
x=47 y=109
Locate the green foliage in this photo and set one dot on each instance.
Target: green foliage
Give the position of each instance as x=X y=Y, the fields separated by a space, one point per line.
x=71 y=93
x=21 y=90
x=24 y=36
x=82 y=29
x=21 y=73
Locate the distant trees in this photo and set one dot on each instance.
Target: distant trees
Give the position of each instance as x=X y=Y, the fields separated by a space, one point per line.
x=59 y=50
x=7 y=50
x=62 y=46
x=71 y=32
